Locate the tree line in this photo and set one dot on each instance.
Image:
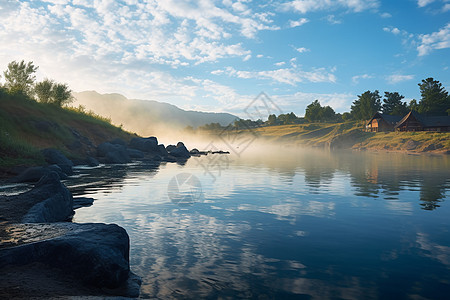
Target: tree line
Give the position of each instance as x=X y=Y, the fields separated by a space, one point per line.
x=435 y=100
x=20 y=80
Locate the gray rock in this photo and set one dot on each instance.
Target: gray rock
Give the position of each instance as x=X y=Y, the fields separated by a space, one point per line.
x=53 y=156
x=98 y=254
x=149 y=144
x=133 y=153
x=162 y=150
x=118 y=141
x=92 y=162
x=53 y=201
x=170 y=148
x=34 y=174
x=113 y=153
x=180 y=151
x=79 y=202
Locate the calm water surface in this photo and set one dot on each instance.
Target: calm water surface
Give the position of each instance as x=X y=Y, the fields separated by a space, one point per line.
x=300 y=225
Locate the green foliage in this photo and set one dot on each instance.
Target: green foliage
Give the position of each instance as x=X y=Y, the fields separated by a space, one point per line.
x=48 y=91
x=211 y=127
x=366 y=105
x=282 y=119
x=435 y=99
x=347 y=116
x=413 y=105
x=43 y=90
x=61 y=94
x=271 y=120
x=393 y=104
x=20 y=77
x=316 y=113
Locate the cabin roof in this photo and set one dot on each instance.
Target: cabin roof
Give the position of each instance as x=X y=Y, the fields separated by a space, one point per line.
x=426 y=121
x=392 y=120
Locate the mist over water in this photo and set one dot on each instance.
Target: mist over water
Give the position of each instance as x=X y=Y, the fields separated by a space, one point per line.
x=280 y=222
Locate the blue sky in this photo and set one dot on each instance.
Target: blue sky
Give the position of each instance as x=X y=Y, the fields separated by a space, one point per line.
x=219 y=55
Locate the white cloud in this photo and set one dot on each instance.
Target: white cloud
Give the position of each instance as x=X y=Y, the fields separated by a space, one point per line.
x=291 y=76
x=435 y=40
x=393 y=30
x=396 y=78
x=385 y=15
x=297 y=102
x=302 y=49
x=446 y=8
x=297 y=23
x=305 y=6
x=332 y=19
x=163 y=32
x=423 y=3
x=356 y=78
x=278 y=64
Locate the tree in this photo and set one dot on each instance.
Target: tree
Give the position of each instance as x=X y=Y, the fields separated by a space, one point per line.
x=20 y=77
x=413 y=105
x=393 y=104
x=272 y=120
x=61 y=94
x=316 y=112
x=327 y=114
x=313 y=111
x=366 y=105
x=346 y=116
x=435 y=99
x=44 y=90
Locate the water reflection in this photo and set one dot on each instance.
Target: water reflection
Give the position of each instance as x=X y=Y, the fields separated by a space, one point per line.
x=371 y=174
x=305 y=225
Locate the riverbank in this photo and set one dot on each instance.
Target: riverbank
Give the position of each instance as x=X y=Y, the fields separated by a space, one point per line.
x=34 y=234
x=348 y=135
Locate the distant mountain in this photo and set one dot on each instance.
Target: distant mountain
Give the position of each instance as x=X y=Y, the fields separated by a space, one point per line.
x=146 y=117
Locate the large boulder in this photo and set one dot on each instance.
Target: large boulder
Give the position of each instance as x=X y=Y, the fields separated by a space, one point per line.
x=113 y=153
x=135 y=153
x=51 y=201
x=53 y=156
x=180 y=151
x=34 y=174
x=149 y=144
x=118 y=141
x=97 y=254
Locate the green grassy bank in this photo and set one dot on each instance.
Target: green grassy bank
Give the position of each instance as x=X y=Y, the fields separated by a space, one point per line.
x=27 y=126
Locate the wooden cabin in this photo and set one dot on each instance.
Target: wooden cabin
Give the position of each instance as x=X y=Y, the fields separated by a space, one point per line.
x=414 y=121
x=382 y=123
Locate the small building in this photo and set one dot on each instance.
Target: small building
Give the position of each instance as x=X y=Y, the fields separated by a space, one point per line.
x=382 y=122
x=414 y=121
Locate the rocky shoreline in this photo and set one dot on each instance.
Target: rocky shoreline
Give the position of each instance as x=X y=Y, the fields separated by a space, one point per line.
x=38 y=238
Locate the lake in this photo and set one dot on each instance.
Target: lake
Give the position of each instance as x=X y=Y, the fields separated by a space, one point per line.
x=281 y=224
